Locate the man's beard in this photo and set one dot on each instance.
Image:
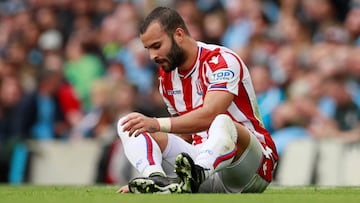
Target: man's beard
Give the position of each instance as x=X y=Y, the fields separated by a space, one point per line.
x=176 y=57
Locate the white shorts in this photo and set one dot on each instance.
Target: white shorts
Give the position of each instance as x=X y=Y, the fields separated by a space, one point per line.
x=240 y=177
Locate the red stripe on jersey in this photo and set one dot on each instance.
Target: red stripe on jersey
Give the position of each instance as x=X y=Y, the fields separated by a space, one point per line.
x=205 y=79
x=166 y=79
x=225 y=157
x=187 y=92
x=149 y=149
x=243 y=102
x=202 y=72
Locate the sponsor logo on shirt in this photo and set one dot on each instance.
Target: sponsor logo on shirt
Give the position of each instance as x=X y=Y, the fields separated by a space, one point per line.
x=173 y=92
x=222 y=75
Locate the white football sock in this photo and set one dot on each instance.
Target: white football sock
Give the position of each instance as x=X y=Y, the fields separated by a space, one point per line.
x=218 y=151
x=142 y=151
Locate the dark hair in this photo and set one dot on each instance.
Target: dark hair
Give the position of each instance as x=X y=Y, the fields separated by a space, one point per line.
x=168 y=18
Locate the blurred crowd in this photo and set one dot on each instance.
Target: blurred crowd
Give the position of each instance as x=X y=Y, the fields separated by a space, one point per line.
x=70 y=69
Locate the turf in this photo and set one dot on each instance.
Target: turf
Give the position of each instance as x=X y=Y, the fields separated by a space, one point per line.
x=107 y=194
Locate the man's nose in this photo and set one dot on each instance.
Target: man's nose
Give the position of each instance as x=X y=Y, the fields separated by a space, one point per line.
x=153 y=55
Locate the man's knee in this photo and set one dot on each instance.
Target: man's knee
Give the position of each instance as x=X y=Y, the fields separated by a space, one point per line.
x=222 y=117
x=124 y=136
x=226 y=124
x=236 y=131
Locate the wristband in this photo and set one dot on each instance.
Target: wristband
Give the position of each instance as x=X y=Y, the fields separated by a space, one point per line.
x=164 y=124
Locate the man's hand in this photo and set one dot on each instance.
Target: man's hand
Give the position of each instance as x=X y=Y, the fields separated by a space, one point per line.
x=137 y=123
x=123 y=189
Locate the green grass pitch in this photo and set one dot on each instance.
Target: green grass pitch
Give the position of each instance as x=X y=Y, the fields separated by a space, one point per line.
x=107 y=194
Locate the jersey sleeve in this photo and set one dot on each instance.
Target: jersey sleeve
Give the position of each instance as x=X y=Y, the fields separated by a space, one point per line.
x=224 y=75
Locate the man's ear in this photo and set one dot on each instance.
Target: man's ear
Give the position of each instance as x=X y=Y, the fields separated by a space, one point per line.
x=179 y=35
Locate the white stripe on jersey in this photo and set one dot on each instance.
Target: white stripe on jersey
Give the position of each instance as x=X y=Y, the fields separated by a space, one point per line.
x=170 y=108
x=178 y=98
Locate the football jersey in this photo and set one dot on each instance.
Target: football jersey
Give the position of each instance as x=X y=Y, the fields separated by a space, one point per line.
x=216 y=68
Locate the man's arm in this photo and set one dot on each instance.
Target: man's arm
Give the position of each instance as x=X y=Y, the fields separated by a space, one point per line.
x=215 y=102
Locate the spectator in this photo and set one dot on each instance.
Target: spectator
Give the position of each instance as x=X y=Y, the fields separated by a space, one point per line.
x=239 y=29
x=192 y=15
x=306 y=105
x=352 y=67
x=352 y=23
x=215 y=24
x=137 y=66
x=115 y=71
x=68 y=99
x=108 y=38
x=11 y=124
x=346 y=121
x=268 y=94
x=97 y=119
x=43 y=110
x=81 y=69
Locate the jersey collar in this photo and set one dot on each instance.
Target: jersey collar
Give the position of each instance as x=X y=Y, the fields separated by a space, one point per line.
x=188 y=72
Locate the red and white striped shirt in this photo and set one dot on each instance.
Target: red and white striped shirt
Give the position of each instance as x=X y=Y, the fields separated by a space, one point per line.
x=216 y=69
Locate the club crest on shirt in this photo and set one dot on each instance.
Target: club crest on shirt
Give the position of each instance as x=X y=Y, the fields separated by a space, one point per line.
x=214 y=59
x=199 y=89
x=222 y=75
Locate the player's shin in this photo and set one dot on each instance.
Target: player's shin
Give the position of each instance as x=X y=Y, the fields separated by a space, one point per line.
x=220 y=148
x=142 y=152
